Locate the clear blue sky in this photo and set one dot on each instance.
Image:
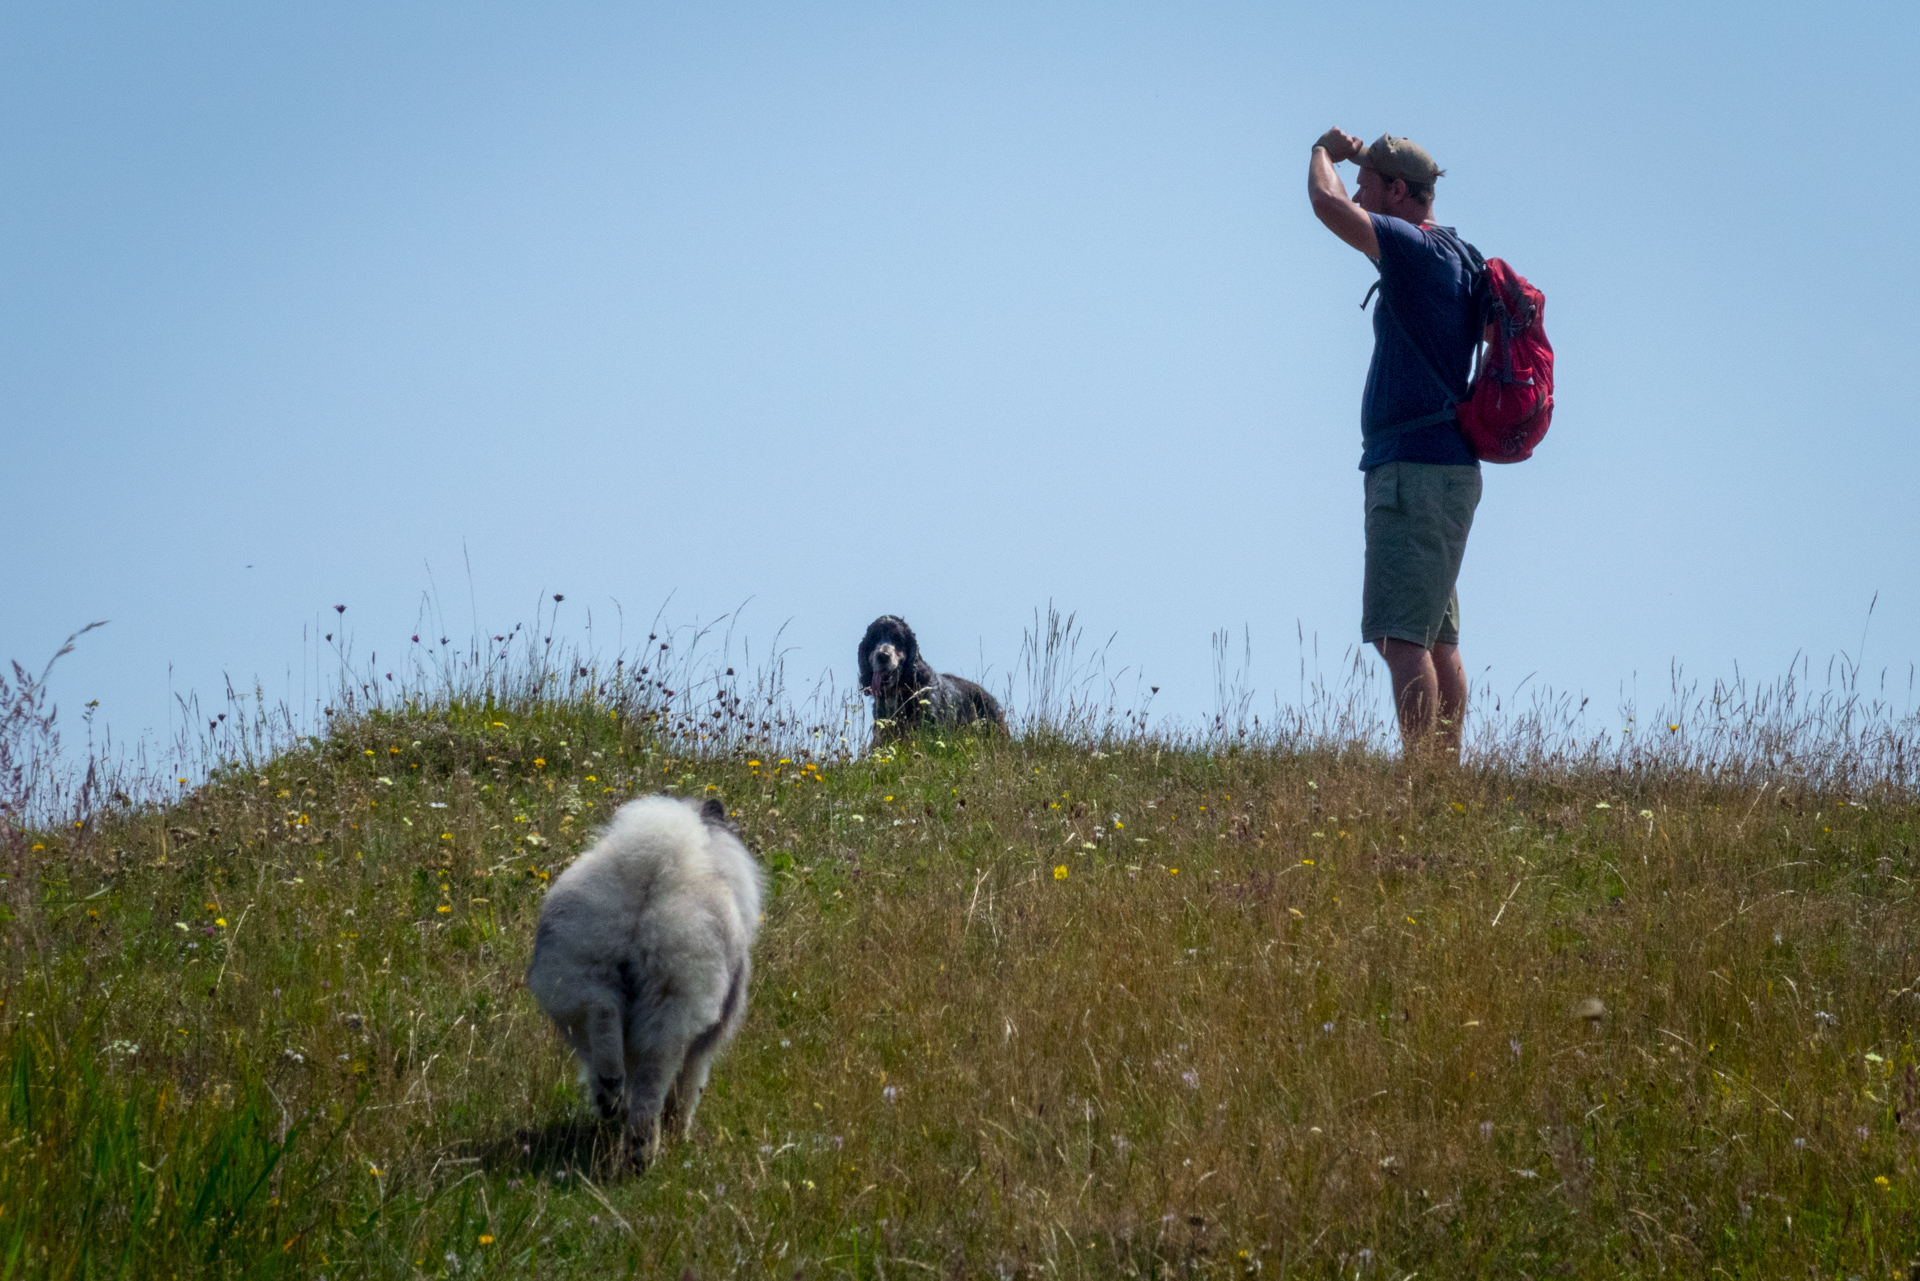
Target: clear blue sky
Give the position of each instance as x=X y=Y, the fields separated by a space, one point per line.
x=944 y=310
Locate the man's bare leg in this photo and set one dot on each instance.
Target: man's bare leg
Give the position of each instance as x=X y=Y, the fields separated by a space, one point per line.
x=1452 y=676
x=1422 y=680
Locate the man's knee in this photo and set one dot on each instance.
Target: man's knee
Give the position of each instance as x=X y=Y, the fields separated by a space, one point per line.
x=1395 y=650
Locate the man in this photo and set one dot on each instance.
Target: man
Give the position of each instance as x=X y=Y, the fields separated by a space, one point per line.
x=1422 y=479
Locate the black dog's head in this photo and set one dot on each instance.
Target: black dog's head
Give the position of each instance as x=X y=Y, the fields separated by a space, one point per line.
x=890 y=658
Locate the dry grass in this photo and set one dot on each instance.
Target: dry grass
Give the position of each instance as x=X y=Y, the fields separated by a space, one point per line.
x=1023 y=1007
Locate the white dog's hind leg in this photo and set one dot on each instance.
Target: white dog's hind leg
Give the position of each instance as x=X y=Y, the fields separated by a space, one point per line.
x=649 y=1076
x=690 y=1084
x=606 y=1059
x=702 y=1050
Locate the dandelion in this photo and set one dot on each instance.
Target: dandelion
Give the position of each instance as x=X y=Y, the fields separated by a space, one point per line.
x=1173 y=871
x=539 y=762
x=221 y=921
x=592 y=779
x=374 y=1170
x=1060 y=872
x=1411 y=921
x=443 y=908
x=1307 y=861
x=1458 y=808
x=486 y=1238
x=369 y=751
x=1881 y=1179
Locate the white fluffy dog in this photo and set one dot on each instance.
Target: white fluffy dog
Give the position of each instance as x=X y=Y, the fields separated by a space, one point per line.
x=642 y=959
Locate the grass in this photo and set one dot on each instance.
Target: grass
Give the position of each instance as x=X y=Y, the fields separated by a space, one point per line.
x=1022 y=1007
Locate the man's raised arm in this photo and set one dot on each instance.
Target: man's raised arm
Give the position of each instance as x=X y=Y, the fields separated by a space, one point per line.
x=1331 y=204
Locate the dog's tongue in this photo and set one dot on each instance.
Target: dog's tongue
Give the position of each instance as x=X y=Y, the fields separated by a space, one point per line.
x=876 y=683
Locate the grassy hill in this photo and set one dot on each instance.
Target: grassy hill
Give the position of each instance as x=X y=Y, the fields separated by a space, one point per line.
x=1023 y=1007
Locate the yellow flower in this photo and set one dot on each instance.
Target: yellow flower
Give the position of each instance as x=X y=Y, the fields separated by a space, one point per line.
x=1458 y=808
x=39 y=847
x=393 y=751
x=889 y=798
x=753 y=764
x=539 y=762
x=486 y=1238
x=221 y=921
x=592 y=779
x=183 y=782
x=1411 y=921
x=1060 y=872
x=1307 y=861
x=1882 y=1181
x=446 y=836
x=498 y=725
x=1173 y=871
x=369 y=751
x=443 y=908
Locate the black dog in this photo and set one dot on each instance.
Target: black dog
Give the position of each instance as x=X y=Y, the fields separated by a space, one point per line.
x=908 y=693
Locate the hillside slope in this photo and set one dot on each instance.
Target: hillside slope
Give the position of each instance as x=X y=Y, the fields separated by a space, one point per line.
x=1022 y=1007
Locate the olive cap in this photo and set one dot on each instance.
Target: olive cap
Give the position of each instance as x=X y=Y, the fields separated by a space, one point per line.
x=1401 y=158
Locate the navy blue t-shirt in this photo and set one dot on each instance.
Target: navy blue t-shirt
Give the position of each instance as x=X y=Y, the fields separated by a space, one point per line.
x=1429 y=285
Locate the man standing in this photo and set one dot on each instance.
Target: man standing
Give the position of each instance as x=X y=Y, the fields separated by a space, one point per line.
x=1422 y=479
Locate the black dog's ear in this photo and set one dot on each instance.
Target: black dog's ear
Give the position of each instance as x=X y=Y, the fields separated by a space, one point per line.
x=866 y=662
x=923 y=676
x=714 y=811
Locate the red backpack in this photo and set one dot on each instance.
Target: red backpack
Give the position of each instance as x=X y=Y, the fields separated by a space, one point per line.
x=1509 y=403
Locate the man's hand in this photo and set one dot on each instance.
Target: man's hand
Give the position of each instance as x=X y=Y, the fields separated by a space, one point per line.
x=1331 y=203
x=1340 y=146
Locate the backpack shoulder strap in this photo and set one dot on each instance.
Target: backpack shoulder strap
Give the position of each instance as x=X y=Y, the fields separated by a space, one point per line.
x=1476 y=293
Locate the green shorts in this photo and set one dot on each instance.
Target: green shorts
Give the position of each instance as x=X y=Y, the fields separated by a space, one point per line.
x=1418 y=515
